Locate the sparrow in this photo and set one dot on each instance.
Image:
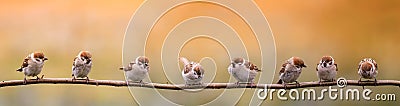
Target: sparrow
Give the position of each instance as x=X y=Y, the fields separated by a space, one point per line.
x=32 y=65
x=243 y=70
x=82 y=65
x=368 y=69
x=291 y=70
x=192 y=72
x=327 y=69
x=137 y=70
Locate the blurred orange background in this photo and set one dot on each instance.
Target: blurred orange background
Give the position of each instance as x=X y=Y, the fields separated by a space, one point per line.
x=347 y=30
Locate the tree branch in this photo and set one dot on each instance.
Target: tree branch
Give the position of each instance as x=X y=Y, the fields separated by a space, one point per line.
x=117 y=83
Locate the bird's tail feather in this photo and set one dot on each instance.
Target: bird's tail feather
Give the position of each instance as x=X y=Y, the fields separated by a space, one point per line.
x=184 y=60
x=279 y=82
x=20 y=69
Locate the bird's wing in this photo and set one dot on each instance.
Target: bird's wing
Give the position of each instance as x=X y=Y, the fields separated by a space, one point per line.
x=252 y=66
x=73 y=65
x=187 y=68
x=359 y=64
x=73 y=62
x=283 y=68
x=376 y=65
x=337 y=69
x=198 y=69
x=24 y=64
x=129 y=67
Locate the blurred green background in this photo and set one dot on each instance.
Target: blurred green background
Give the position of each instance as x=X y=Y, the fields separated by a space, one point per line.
x=347 y=30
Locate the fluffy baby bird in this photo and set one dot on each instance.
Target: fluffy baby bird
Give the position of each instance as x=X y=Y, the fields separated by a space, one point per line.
x=368 y=69
x=82 y=65
x=137 y=70
x=327 y=69
x=32 y=65
x=243 y=70
x=291 y=71
x=192 y=72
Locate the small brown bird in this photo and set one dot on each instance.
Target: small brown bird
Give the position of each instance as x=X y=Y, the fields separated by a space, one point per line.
x=327 y=69
x=192 y=72
x=243 y=70
x=32 y=65
x=137 y=70
x=291 y=71
x=368 y=69
x=82 y=65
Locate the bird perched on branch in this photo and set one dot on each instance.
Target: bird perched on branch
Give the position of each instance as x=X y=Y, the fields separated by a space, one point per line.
x=82 y=65
x=137 y=70
x=243 y=70
x=192 y=72
x=291 y=71
x=327 y=69
x=368 y=69
x=32 y=65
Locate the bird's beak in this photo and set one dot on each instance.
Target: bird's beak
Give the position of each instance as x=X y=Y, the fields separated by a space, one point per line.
x=304 y=65
x=45 y=58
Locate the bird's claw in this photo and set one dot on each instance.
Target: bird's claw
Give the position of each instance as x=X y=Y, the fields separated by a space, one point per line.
x=87 y=80
x=297 y=84
x=284 y=86
x=141 y=82
x=73 y=79
x=25 y=81
x=252 y=84
x=127 y=83
x=237 y=83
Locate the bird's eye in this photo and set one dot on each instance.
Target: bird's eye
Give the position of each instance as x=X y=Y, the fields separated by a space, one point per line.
x=37 y=59
x=297 y=66
x=330 y=63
